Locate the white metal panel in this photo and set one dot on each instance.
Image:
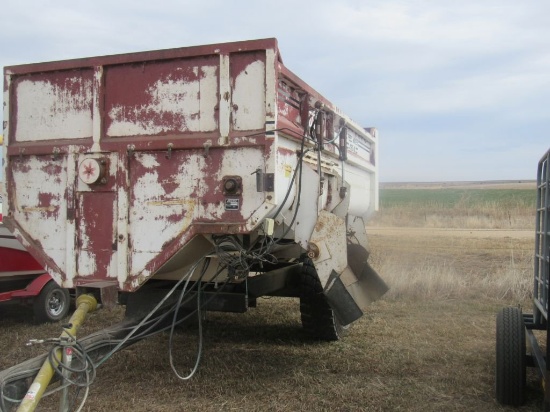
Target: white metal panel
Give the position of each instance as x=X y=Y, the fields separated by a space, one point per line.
x=40 y=207
x=49 y=111
x=249 y=98
x=96 y=120
x=225 y=98
x=359 y=191
x=192 y=100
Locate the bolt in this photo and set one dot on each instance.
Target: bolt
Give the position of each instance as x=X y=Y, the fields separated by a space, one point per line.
x=312 y=251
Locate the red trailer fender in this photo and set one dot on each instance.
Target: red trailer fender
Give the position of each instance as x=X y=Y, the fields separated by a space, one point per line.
x=33 y=289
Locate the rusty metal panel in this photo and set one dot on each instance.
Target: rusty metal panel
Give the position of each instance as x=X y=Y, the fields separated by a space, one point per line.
x=97 y=244
x=248 y=81
x=38 y=187
x=162 y=97
x=168 y=195
x=54 y=105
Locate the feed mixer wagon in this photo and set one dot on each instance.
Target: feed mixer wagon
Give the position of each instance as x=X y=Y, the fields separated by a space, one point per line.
x=212 y=167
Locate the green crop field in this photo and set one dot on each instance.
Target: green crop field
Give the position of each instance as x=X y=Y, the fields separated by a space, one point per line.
x=457 y=207
x=450 y=198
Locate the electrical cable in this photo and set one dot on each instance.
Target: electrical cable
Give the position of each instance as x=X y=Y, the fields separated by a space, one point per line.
x=200 y=344
x=134 y=330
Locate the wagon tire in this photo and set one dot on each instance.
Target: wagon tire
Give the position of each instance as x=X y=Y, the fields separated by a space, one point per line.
x=318 y=318
x=510 y=357
x=52 y=304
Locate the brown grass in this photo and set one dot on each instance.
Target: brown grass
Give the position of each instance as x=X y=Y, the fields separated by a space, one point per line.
x=427 y=346
x=490 y=215
x=478 y=205
x=454 y=267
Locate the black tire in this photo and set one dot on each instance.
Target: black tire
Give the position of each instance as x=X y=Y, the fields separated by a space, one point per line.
x=510 y=357
x=52 y=304
x=318 y=319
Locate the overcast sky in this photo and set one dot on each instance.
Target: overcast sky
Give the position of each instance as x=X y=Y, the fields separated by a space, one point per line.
x=459 y=90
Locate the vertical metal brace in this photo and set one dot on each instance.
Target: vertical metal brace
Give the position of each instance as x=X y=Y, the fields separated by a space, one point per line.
x=320 y=129
x=343 y=141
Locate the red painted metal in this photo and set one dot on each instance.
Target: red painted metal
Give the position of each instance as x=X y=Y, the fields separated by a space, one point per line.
x=17 y=260
x=16 y=263
x=13 y=257
x=34 y=288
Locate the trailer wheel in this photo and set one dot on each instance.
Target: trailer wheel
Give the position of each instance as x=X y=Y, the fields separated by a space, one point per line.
x=510 y=357
x=52 y=304
x=318 y=319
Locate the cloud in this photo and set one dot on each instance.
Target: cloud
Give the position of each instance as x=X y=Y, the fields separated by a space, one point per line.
x=428 y=74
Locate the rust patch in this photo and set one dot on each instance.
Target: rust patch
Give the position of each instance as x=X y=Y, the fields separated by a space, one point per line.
x=95 y=233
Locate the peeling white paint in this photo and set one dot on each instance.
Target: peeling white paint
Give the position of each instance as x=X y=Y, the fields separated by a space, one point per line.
x=249 y=98
x=46 y=224
x=225 y=96
x=122 y=224
x=190 y=103
x=46 y=111
x=96 y=120
x=148 y=161
x=151 y=210
x=139 y=261
x=87 y=263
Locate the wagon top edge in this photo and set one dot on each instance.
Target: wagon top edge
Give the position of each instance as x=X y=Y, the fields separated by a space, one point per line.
x=145 y=56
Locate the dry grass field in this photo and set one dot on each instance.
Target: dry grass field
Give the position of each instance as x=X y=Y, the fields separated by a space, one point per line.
x=428 y=345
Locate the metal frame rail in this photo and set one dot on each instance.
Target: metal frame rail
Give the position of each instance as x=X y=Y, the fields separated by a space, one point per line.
x=542 y=242
x=539 y=319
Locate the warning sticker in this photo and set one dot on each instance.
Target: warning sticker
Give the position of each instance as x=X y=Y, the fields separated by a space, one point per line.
x=232 y=204
x=288 y=170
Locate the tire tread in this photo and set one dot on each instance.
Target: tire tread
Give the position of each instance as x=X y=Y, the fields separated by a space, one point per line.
x=510 y=357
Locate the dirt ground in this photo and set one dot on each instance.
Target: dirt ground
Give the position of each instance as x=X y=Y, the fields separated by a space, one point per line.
x=408 y=353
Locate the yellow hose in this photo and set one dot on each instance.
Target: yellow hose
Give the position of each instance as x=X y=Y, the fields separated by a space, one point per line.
x=85 y=304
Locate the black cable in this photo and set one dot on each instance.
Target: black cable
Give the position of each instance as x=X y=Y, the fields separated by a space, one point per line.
x=81 y=354
x=199 y=317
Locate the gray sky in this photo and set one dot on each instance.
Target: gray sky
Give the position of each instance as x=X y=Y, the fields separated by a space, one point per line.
x=459 y=90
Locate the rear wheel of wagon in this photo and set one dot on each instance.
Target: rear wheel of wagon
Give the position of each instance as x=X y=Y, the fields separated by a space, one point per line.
x=510 y=357
x=52 y=304
x=318 y=318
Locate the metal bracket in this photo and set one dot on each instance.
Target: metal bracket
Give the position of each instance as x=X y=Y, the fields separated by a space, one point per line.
x=207 y=145
x=55 y=153
x=169 y=152
x=343 y=141
x=265 y=182
x=130 y=149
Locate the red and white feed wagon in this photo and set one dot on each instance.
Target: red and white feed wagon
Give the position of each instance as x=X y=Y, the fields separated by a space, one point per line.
x=125 y=172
